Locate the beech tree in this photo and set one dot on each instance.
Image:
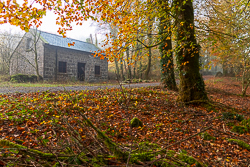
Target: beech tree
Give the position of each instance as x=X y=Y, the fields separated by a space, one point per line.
x=226 y=26
x=165 y=47
x=192 y=86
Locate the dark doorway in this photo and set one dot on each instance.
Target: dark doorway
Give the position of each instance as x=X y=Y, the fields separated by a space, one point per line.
x=81 y=71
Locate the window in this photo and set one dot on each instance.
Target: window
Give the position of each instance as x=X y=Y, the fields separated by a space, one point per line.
x=28 y=44
x=97 y=70
x=62 y=67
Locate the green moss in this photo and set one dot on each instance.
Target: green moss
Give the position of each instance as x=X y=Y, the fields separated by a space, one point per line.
x=108 y=142
x=146 y=152
x=135 y=122
x=240 y=143
x=207 y=136
x=210 y=107
x=230 y=124
x=28 y=151
x=188 y=159
x=232 y=116
x=239 y=129
x=246 y=123
x=145 y=146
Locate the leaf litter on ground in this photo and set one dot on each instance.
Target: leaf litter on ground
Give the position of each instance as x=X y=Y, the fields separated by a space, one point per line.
x=48 y=120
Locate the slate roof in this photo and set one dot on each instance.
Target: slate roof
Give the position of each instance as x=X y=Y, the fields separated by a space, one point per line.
x=57 y=40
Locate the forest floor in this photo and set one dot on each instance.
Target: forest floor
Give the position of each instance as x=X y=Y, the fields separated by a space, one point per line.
x=215 y=133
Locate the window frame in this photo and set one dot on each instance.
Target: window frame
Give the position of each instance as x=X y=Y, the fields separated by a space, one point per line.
x=97 y=70
x=62 y=67
x=28 y=44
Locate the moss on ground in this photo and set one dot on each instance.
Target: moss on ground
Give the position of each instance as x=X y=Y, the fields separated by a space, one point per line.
x=246 y=123
x=232 y=116
x=240 y=143
x=239 y=129
x=135 y=122
x=146 y=152
x=207 y=136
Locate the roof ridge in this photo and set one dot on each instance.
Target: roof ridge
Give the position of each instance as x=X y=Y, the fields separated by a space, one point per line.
x=58 y=40
x=65 y=37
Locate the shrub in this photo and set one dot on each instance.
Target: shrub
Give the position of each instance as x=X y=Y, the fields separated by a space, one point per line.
x=19 y=78
x=135 y=81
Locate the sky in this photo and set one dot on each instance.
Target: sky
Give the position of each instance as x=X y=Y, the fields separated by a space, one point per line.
x=49 y=25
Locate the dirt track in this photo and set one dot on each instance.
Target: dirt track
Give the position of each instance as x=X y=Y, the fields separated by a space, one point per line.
x=53 y=89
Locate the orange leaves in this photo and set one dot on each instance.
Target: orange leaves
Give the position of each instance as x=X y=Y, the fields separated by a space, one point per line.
x=20 y=128
x=71 y=44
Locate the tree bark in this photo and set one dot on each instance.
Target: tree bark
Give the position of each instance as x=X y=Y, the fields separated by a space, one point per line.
x=117 y=69
x=192 y=86
x=128 y=64
x=121 y=66
x=150 y=26
x=36 y=39
x=167 y=65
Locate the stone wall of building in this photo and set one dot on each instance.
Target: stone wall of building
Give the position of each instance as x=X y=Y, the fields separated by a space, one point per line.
x=23 y=60
x=53 y=54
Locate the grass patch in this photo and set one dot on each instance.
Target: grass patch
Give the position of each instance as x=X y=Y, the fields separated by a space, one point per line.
x=7 y=84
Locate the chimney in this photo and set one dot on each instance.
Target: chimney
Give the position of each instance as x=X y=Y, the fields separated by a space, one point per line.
x=91 y=39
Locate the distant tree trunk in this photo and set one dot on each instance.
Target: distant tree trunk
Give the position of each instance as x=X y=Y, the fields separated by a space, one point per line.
x=36 y=38
x=131 y=60
x=36 y=63
x=117 y=69
x=167 y=65
x=121 y=66
x=225 y=69
x=150 y=26
x=125 y=68
x=138 y=56
x=135 y=68
x=128 y=64
x=140 y=69
x=245 y=79
x=192 y=86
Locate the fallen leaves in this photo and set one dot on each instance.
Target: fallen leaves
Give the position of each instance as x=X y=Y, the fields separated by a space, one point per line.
x=46 y=116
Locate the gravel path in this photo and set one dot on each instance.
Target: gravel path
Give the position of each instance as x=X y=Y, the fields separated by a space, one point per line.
x=53 y=89
x=72 y=88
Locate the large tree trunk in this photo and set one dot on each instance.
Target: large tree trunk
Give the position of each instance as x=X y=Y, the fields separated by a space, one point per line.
x=167 y=65
x=192 y=86
x=150 y=26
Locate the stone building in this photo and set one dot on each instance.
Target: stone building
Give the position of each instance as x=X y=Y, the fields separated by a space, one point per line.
x=56 y=61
